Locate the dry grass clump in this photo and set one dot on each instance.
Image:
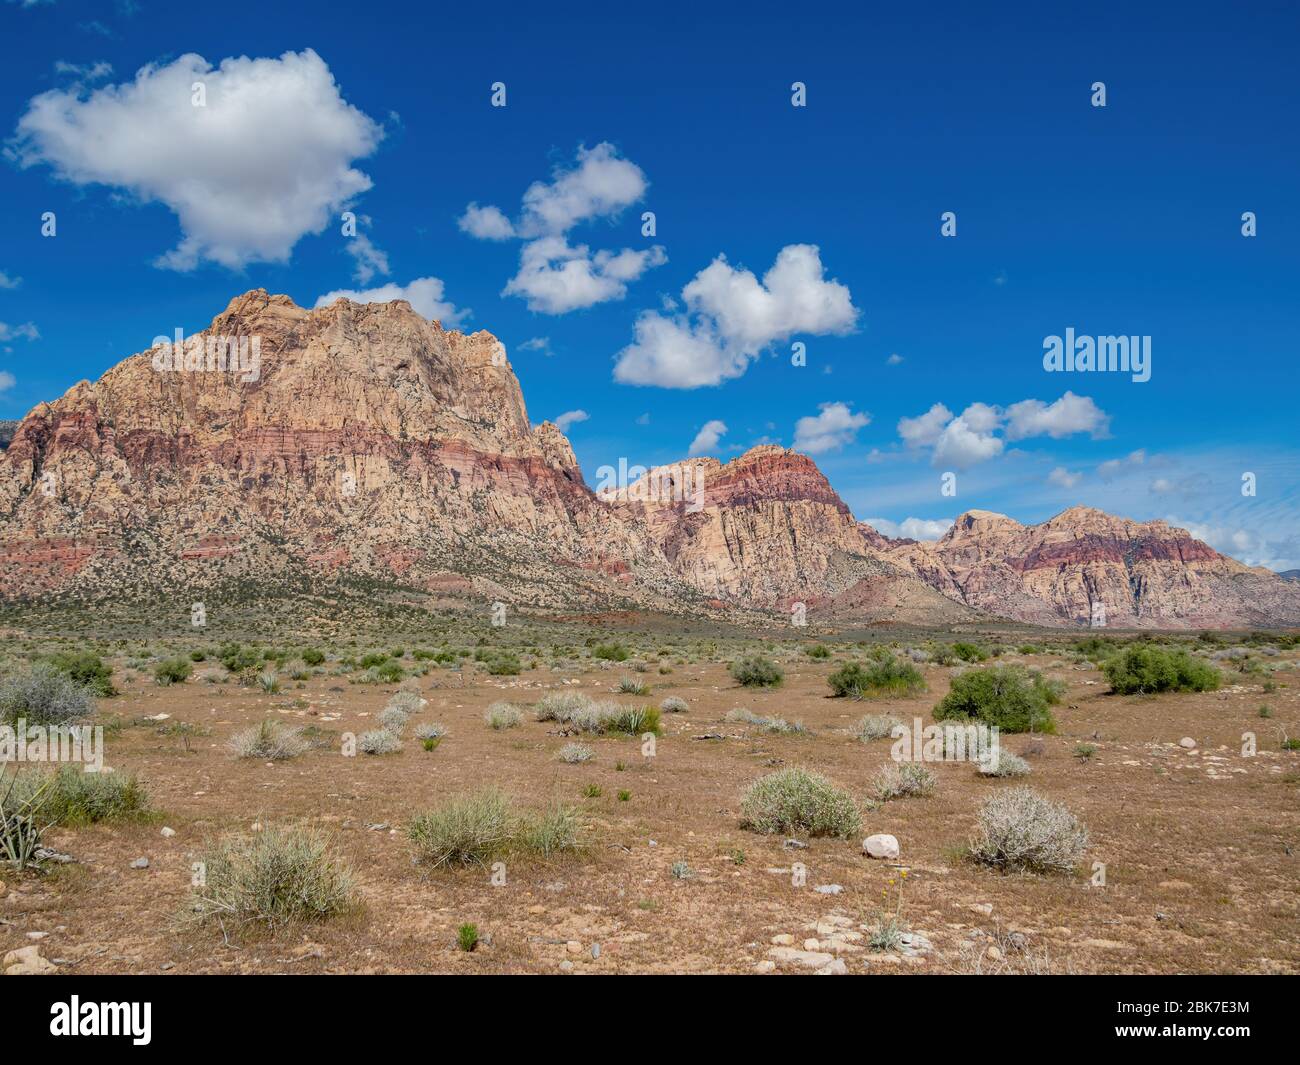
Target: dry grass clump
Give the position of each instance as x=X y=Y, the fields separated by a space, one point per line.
x=796 y=800
x=268 y=742
x=875 y=727
x=674 y=705
x=1020 y=830
x=778 y=725
x=1002 y=763
x=908 y=780
x=582 y=714
x=272 y=879
x=576 y=753
x=45 y=695
x=503 y=716
x=71 y=796
x=475 y=829
x=379 y=741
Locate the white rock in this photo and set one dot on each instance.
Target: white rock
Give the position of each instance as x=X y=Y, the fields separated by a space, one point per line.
x=1188 y=743
x=765 y=966
x=26 y=961
x=881 y=846
x=168 y=833
x=835 y=968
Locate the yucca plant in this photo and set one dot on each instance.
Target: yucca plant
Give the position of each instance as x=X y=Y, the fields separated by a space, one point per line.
x=20 y=827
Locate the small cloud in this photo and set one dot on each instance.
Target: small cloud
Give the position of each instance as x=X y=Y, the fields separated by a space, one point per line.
x=370 y=260
x=644 y=419
x=1063 y=478
x=830 y=430
x=9 y=282
x=1111 y=468
x=894 y=360
x=707 y=438
x=485 y=223
x=7 y=381
x=84 y=71
x=26 y=331
x=911 y=528
x=542 y=344
x=568 y=418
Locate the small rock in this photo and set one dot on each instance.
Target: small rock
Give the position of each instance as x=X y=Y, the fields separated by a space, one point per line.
x=38 y=935
x=811 y=944
x=140 y=863
x=807 y=958
x=566 y=966
x=994 y=954
x=835 y=968
x=794 y=845
x=765 y=966
x=26 y=961
x=985 y=908
x=828 y=889
x=573 y=947
x=167 y=833
x=595 y=950
x=4 y=889
x=881 y=846
x=1187 y=743
x=783 y=940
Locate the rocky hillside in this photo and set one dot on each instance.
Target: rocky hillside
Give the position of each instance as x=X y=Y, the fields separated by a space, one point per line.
x=364 y=441
x=1084 y=562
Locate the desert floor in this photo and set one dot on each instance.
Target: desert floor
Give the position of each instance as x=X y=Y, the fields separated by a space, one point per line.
x=1199 y=847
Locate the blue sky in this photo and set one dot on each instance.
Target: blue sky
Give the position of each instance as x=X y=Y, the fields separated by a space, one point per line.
x=1117 y=220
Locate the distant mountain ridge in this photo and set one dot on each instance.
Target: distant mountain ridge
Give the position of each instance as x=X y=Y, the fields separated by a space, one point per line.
x=372 y=442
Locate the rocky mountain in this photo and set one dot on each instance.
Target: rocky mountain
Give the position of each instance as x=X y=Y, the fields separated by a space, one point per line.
x=362 y=441
x=1084 y=563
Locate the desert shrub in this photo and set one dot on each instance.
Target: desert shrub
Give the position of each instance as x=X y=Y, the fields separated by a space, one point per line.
x=273 y=879
x=632 y=720
x=1023 y=831
x=467 y=937
x=238 y=659
x=1144 y=670
x=969 y=652
x=1029 y=649
x=799 y=801
x=86 y=669
x=1005 y=696
x=576 y=753
x=674 y=705
x=269 y=683
x=71 y=796
x=379 y=741
x=408 y=702
x=430 y=730
x=1002 y=763
x=22 y=822
x=373 y=659
x=888 y=676
x=755 y=671
x=875 y=727
x=172 y=671
x=45 y=695
x=503 y=664
x=611 y=652
x=560 y=705
x=502 y=716
x=632 y=686
x=818 y=650
x=389 y=672
x=474 y=829
x=268 y=742
x=768 y=724
x=908 y=780
x=313 y=656
x=394 y=719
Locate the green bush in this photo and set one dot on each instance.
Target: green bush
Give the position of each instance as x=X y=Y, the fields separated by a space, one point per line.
x=1144 y=670
x=313 y=656
x=818 y=650
x=1005 y=696
x=611 y=652
x=888 y=676
x=755 y=671
x=799 y=801
x=969 y=652
x=71 y=796
x=172 y=671
x=239 y=660
x=86 y=669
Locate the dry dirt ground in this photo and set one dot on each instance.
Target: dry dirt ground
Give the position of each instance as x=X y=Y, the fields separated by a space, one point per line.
x=1200 y=847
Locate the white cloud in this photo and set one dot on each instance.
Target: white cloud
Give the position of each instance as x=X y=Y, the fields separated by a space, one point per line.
x=1068 y=415
x=1162 y=486
x=570 y=417
x=830 y=430
x=26 y=331
x=265 y=162
x=7 y=380
x=554 y=276
x=911 y=528
x=9 y=282
x=1063 y=478
x=84 y=72
x=370 y=260
x=731 y=317
x=486 y=223
x=961 y=446
x=1109 y=469
x=424 y=294
x=982 y=418
x=894 y=360
x=707 y=438
x=924 y=429
x=542 y=344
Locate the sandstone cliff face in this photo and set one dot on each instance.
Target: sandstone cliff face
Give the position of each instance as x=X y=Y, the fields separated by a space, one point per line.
x=365 y=440
x=1133 y=574
x=368 y=438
